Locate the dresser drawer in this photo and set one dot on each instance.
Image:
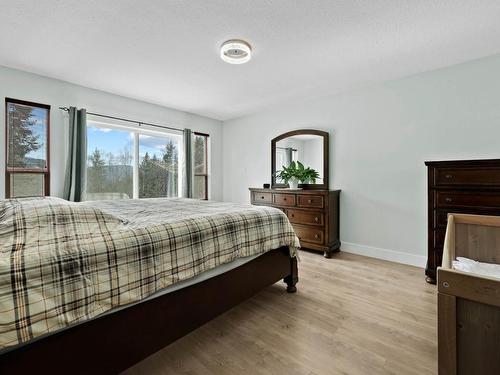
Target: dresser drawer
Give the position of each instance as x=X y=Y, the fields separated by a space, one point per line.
x=441 y=214
x=306 y=217
x=312 y=201
x=309 y=234
x=434 y=258
x=438 y=257
x=467 y=176
x=441 y=217
x=286 y=200
x=439 y=235
x=467 y=199
x=262 y=197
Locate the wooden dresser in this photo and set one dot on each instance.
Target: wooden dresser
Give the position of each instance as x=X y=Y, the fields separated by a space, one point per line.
x=314 y=214
x=466 y=186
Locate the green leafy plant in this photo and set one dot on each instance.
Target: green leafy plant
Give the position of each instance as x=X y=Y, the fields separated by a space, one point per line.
x=309 y=174
x=298 y=171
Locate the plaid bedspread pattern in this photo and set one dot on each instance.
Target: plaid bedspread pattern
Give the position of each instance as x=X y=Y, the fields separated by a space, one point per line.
x=62 y=263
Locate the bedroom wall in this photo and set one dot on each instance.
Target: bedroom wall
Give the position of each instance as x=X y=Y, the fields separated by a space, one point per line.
x=380 y=137
x=31 y=87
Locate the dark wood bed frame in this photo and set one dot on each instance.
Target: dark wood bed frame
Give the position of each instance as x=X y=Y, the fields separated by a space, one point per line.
x=114 y=342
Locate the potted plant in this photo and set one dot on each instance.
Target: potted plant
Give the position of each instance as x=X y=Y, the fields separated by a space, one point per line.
x=309 y=176
x=295 y=173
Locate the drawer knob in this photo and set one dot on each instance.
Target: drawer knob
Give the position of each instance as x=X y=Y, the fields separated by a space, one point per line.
x=316 y=219
x=284 y=199
x=293 y=215
x=448 y=176
x=309 y=201
x=448 y=199
x=262 y=197
x=316 y=236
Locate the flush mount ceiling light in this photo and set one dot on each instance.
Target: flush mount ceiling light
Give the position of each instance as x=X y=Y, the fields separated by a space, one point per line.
x=235 y=51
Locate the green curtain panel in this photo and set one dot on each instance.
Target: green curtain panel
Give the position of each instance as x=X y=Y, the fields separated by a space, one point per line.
x=74 y=183
x=188 y=170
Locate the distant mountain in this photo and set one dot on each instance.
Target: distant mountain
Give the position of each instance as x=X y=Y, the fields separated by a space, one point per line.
x=34 y=163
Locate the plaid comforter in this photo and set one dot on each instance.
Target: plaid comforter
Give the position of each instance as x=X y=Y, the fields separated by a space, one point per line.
x=62 y=263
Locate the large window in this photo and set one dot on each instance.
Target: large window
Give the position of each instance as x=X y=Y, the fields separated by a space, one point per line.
x=158 y=166
x=27 y=148
x=109 y=163
x=127 y=162
x=200 y=190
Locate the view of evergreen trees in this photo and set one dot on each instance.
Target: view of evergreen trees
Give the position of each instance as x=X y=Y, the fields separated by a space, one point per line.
x=22 y=139
x=26 y=149
x=158 y=176
x=110 y=176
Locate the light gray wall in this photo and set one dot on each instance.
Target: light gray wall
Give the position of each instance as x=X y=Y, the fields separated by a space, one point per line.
x=380 y=138
x=25 y=86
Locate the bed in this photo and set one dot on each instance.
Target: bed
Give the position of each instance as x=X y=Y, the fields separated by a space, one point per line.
x=105 y=284
x=469 y=296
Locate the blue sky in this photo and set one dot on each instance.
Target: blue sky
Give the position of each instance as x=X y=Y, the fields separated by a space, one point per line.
x=115 y=141
x=108 y=140
x=105 y=139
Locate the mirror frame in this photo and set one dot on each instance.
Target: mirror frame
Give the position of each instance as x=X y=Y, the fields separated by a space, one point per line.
x=326 y=142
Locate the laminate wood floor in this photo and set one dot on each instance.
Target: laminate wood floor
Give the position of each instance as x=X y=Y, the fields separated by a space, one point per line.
x=350 y=315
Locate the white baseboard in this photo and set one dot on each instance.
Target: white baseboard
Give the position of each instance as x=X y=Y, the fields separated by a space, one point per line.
x=385 y=254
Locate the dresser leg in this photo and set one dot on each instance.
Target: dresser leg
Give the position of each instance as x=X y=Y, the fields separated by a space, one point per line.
x=430 y=274
x=333 y=249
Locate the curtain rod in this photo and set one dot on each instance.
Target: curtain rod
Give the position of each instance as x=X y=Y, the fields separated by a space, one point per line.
x=126 y=120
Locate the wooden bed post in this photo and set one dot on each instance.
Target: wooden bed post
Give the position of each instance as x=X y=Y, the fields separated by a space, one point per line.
x=293 y=278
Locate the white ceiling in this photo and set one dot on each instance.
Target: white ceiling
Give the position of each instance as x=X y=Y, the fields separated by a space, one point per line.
x=167 y=51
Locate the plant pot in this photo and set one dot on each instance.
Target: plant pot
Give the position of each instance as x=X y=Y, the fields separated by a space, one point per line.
x=293 y=183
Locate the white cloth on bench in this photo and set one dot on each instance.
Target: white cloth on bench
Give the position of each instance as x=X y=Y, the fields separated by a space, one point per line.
x=479 y=268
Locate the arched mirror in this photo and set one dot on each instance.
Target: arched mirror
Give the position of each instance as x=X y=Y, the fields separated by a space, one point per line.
x=302 y=153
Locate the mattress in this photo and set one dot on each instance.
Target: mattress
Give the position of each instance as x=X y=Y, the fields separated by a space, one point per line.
x=63 y=263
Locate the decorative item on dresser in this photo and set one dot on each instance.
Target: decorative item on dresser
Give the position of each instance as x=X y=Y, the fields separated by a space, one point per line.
x=310 y=147
x=314 y=214
x=464 y=186
x=312 y=209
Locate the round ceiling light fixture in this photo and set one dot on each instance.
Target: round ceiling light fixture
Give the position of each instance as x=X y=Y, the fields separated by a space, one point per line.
x=236 y=51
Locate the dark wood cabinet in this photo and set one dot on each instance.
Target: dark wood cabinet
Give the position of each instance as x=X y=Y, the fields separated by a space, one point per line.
x=314 y=214
x=465 y=186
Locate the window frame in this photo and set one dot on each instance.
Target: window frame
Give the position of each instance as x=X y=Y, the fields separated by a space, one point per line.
x=12 y=170
x=205 y=175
